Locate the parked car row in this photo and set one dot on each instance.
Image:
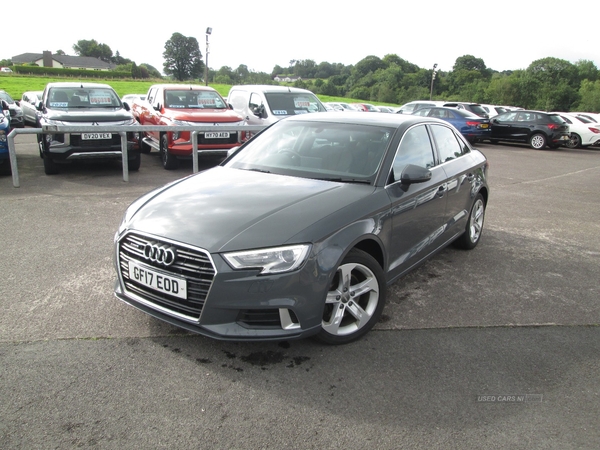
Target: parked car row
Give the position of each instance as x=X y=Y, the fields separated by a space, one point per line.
x=16 y=113
x=502 y=123
x=4 y=130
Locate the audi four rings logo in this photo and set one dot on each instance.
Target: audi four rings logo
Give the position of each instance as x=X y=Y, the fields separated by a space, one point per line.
x=160 y=254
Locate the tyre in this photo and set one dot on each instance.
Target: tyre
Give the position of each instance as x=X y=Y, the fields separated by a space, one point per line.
x=355 y=299
x=574 y=141
x=50 y=167
x=133 y=165
x=494 y=141
x=469 y=239
x=144 y=148
x=537 y=141
x=169 y=161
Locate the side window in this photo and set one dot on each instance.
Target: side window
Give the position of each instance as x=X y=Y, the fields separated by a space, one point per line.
x=255 y=101
x=449 y=147
x=415 y=148
x=151 y=95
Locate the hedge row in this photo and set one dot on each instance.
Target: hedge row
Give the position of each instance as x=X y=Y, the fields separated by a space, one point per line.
x=78 y=73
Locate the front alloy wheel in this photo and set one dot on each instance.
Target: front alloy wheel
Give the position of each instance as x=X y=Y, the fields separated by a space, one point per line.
x=355 y=299
x=169 y=161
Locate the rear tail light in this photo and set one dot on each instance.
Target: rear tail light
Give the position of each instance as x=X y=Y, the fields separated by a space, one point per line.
x=472 y=124
x=553 y=126
x=594 y=130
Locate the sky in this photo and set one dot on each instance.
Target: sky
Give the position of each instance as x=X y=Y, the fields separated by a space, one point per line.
x=506 y=35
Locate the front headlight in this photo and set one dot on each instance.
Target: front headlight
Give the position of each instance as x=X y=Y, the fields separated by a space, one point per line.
x=270 y=260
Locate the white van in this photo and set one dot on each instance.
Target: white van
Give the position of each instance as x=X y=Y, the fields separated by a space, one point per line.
x=265 y=104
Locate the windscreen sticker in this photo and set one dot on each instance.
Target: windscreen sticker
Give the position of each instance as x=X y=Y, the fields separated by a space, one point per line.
x=100 y=98
x=280 y=112
x=301 y=102
x=300 y=111
x=206 y=101
x=59 y=104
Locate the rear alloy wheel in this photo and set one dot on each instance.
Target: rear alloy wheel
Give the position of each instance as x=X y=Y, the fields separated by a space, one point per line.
x=472 y=234
x=537 y=141
x=169 y=161
x=355 y=299
x=574 y=141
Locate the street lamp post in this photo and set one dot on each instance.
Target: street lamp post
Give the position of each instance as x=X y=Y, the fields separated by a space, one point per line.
x=208 y=31
x=433 y=72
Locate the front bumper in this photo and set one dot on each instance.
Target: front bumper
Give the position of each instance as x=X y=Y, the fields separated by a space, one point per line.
x=221 y=302
x=72 y=146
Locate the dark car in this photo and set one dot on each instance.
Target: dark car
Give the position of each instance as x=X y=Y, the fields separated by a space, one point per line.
x=77 y=104
x=471 y=126
x=300 y=231
x=475 y=108
x=16 y=113
x=4 y=130
x=536 y=128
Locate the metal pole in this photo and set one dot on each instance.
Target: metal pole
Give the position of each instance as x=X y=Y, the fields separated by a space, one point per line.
x=208 y=31
x=432 y=78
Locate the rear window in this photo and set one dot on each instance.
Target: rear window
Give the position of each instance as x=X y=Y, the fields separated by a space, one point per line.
x=478 y=109
x=555 y=118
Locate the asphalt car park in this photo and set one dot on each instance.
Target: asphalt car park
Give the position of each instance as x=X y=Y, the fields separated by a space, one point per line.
x=494 y=348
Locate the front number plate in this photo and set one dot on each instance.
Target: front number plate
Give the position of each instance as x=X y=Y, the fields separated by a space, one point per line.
x=217 y=135
x=157 y=280
x=94 y=136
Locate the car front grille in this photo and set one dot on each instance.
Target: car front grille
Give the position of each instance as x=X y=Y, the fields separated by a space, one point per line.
x=192 y=264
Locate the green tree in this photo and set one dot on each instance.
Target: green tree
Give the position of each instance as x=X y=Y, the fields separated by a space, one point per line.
x=94 y=49
x=555 y=82
x=587 y=70
x=183 y=59
x=149 y=71
x=589 y=94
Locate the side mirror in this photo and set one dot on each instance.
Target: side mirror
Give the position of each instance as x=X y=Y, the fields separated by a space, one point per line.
x=126 y=106
x=157 y=106
x=415 y=174
x=4 y=105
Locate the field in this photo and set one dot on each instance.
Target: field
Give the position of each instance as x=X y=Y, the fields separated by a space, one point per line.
x=15 y=85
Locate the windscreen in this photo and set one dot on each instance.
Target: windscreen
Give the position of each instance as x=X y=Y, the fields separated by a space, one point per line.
x=188 y=99
x=330 y=151
x=292 y=103
x=78 y=97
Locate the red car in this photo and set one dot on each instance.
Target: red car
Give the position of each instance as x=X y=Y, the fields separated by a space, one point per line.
x=185 y=105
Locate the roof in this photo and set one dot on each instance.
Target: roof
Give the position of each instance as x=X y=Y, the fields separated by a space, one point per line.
x=361 y=118
x=66 y=60
x=77 y=84
x=268 y=88
x=191 y=87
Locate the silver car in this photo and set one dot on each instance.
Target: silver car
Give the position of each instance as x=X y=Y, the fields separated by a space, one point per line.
x=30 y=101
x=300 y=231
